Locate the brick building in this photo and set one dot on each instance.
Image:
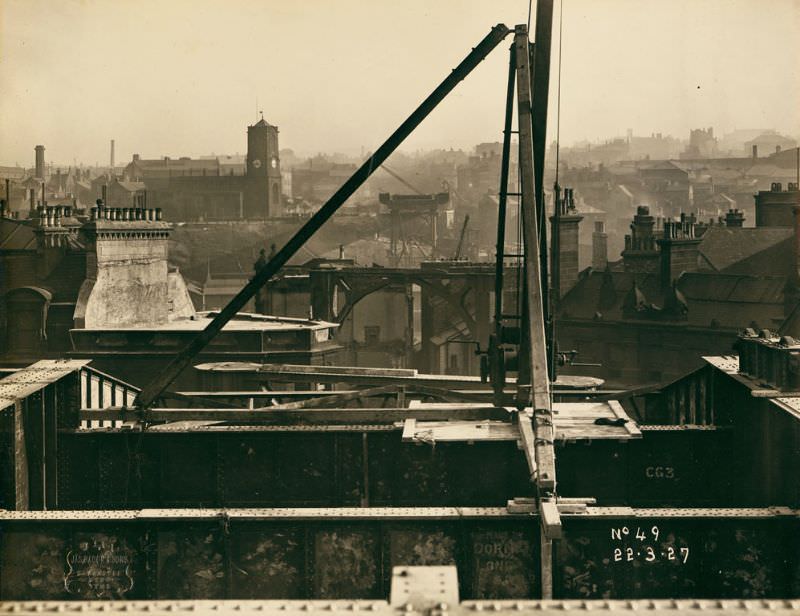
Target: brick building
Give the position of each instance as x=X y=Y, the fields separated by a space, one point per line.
x=683 y=290
x=219 y=188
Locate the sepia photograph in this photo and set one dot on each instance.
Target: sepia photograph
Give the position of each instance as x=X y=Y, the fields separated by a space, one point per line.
x=420 y=307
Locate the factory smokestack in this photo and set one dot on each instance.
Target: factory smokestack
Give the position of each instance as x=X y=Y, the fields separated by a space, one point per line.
x=39 y=162
x=112 y=156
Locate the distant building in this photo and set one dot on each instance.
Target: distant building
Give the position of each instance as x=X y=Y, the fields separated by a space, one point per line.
x=702 y=144
x=315 y=180
x=223 y=188
x=768 y=142
x=480 y=176
x=668 y=183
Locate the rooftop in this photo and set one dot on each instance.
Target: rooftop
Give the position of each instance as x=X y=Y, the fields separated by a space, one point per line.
x=243 y=322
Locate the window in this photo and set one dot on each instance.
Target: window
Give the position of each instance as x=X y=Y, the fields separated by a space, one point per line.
x=372 y=334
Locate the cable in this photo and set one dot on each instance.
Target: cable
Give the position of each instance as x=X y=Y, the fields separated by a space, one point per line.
x=558 y=98
x=556 y=197
x=530 y=4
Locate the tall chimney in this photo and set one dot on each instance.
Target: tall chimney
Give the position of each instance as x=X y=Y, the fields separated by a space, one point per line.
x=564 y=248
x=112 y=156
x=755 y=151
x=599 y=246
x=39 y=162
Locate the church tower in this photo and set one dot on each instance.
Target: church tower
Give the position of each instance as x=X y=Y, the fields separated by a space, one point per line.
x=263 y=195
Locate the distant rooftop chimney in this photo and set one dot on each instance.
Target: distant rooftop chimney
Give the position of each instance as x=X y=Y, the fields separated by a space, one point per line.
x=774 y=206
x=734 y=218
x=679 y=248
x=641 y=253
x=39 y=174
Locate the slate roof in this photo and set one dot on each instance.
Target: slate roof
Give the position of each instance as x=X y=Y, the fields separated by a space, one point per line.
x=772 y=171
x=730 y=301
x=723 y=246
x=67 y=276
x=132 y=186
x=15 y=235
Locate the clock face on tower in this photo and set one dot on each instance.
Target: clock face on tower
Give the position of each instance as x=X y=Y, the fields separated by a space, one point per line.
x=256 y=163
x=274 y=162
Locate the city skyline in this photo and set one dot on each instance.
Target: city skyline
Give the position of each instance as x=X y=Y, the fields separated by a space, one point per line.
x=185 y=78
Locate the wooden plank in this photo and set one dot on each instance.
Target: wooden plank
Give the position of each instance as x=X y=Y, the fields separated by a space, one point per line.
x=630 y=425
x=545 y=454
x=314 y=416
x=551 y=518
x=337 y=398
x=409 y=429
x=546 y=564
x=539 y=378
x=337 y=370
x=527 y=442
x=459 y=431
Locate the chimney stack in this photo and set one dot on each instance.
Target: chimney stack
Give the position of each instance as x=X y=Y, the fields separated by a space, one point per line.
x=565 y=243
x=755 y=151
x=39 y=162
x=679 y=249
x=734 y=218
x=641 y=253
x=112 y=156
x=599 y=246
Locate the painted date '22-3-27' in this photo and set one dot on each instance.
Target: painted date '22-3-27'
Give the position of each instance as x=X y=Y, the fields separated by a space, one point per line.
x=642 y=552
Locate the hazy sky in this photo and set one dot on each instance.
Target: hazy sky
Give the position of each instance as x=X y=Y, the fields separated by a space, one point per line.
x=181 y=77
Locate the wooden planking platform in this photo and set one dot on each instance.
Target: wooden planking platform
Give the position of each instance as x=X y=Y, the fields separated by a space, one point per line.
x=572 y=421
